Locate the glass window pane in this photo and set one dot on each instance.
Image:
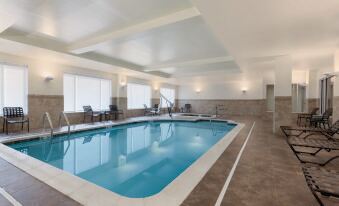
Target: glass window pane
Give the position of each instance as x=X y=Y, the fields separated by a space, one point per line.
x=14 y=87
x=138 y=95
x=88 y=93
x=80 y=91
x=105 y=94
x=69 y=93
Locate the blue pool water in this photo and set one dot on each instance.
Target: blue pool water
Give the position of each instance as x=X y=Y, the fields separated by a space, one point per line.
x=134 y=160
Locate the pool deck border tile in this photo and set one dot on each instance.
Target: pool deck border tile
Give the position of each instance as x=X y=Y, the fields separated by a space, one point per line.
x=88 y=193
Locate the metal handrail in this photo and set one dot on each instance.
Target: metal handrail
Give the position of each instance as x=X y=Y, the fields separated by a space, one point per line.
x=48 y=117
x=170 y=104
x=63 y=114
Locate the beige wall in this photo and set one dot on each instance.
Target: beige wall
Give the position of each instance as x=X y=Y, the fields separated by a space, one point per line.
x=48 y=96
x=38 y=70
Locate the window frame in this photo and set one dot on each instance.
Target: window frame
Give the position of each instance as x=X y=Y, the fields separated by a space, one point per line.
x=150 y=95
x=24 y=68
x=75 y=100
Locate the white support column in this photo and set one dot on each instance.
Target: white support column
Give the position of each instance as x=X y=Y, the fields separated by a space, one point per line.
x=282 y=93
x=336 y=88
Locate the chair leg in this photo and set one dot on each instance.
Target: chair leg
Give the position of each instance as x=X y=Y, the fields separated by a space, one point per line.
x=22 y=126
x=3 y=126
x=6 y=127
x=28 y=126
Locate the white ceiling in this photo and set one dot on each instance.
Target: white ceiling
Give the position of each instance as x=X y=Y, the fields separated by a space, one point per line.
x=174 y=38
x=71 y=20
x=183 y=41
x=158 y=37
x=306 y=30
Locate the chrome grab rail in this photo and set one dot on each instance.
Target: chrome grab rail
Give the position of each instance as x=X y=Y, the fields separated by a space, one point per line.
x=63 y=114
x=48 y=117
x=170 y=105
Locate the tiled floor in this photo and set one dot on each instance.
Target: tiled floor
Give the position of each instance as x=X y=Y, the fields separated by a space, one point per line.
x=27 y=190
x=268 y=173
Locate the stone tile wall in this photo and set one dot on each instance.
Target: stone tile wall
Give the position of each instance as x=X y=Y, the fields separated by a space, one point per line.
x=313 y=103
x=232 y=107
x=283 y=112
x=335 y=109
x=39 y=104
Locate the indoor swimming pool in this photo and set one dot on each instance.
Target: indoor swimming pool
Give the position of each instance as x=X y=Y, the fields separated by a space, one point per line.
x=135 y=160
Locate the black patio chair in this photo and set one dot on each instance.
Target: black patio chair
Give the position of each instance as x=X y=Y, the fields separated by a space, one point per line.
x=188 y=108
x=156 y=110
x=114 y=111
x=14 y=115
x=307 y=116
x=147 y=110
x=322 y=120
x=88 y=112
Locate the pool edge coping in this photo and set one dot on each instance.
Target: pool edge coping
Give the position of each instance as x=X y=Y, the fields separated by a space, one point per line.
x=88 y=193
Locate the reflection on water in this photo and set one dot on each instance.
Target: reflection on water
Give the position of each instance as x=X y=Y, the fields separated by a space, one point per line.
x=134 y=160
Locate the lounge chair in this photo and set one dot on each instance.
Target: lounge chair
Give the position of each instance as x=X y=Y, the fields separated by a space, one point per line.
x=114 y=111
x=305 y=132
x=306 y=116
x=318 y=144
x=14 y=115
x=323 y=141
x=88 y=112
x=322 y=182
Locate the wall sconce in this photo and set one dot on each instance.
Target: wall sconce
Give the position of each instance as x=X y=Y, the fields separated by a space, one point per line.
x=122 y=83
x=156 y=89
x=49 y=78
x=198 y=90
x=244 y=90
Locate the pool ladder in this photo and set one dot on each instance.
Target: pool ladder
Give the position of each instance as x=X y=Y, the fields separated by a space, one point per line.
x=64 y=116
x=48 y=118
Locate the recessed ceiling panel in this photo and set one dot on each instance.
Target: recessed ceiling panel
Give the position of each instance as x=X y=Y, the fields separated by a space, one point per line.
x=199 y=69
x=72 y=20
x=186 y=40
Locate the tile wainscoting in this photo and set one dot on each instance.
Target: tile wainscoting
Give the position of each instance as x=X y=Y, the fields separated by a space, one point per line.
x=335 y=108
x=312 y=103
x=254 y=107
x=54 y=104
x=39 y=104
x=283 y=112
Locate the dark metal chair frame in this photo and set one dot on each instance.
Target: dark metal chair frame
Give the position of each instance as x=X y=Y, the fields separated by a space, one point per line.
x=323 y=120
x=14 y=115
x=307 y=116
x=88 y=111
x=114 y=111
x=303 y=139
x=187 y=108
x=147 y=110
x=321 y=181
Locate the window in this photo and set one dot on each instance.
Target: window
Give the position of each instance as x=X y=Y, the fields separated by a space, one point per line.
x=13 y=84
x=138 y=95
x=326 y=93
x=169 y=94
x=81 y=90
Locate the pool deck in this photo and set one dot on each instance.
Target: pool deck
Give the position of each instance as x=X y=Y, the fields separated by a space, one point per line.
x=268 y=173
